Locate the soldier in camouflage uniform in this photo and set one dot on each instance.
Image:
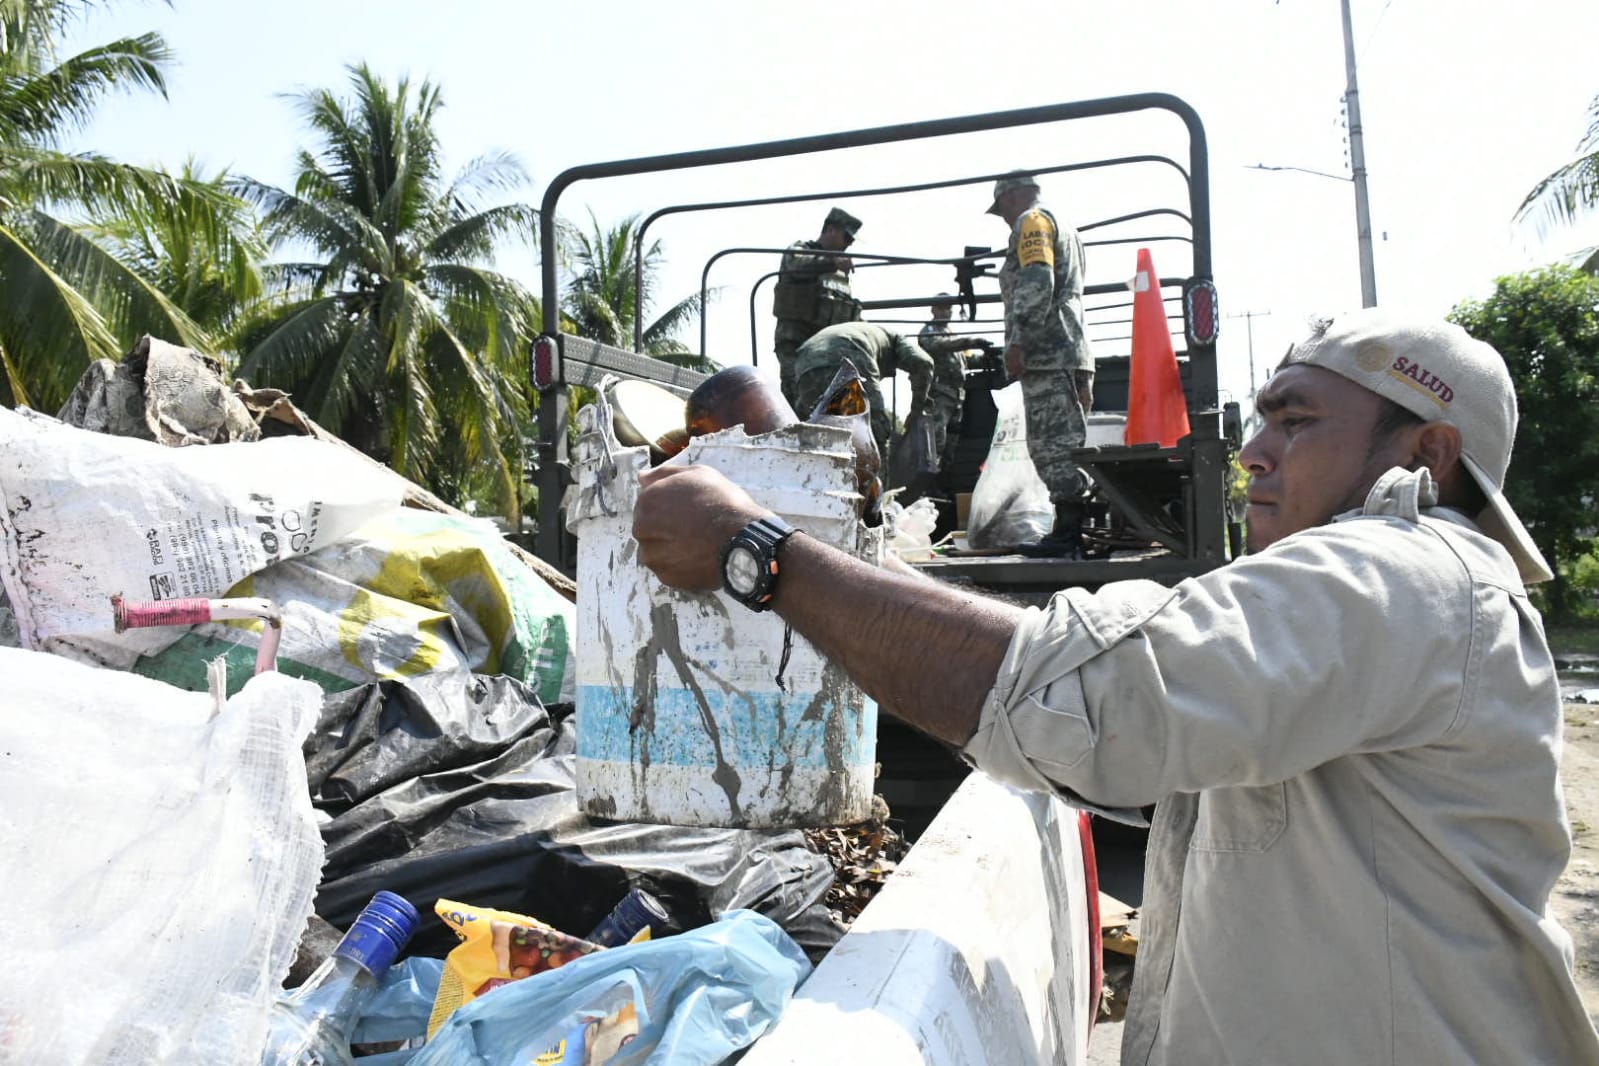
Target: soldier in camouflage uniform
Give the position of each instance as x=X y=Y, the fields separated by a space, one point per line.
x=1047 y=349
x=876 y=353
x=813 y=291
x=948 y=394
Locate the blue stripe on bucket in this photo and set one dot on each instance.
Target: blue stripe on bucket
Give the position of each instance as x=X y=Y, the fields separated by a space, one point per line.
x=756 y=729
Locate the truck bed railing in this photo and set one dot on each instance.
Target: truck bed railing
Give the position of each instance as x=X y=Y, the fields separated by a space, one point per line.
x=550 y=537
x=586 y=362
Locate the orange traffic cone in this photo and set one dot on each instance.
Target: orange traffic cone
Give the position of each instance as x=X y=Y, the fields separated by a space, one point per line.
x=1156 y=410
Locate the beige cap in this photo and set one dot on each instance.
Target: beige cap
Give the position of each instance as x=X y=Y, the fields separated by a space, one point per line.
x=1440 y=373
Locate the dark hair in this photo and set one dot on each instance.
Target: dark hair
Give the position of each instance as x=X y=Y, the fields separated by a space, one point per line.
x=1391 y=419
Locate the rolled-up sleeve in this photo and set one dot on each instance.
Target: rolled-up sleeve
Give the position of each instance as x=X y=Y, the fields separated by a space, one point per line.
x=1341 y=639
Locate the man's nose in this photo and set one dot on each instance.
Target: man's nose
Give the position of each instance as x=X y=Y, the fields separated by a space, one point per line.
x=1256 y=457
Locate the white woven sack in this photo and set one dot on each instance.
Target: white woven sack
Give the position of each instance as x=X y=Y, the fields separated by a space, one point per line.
x=160 y=862
x=84 y=516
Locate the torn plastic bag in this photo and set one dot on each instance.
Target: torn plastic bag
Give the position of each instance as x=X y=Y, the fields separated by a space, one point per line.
x=844 y=404
x=407 y=593
x=160 y=859
x=160 y=392
x=462 y=786
x=912 y=528
x=690 y=999
x=912 y=457
x=1010 y=502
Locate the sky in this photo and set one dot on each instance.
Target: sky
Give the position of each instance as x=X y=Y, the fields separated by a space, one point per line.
x=1464 y=109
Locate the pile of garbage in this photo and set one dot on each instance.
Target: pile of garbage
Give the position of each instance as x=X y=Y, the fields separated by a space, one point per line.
x=262 y=689
x=863 y=856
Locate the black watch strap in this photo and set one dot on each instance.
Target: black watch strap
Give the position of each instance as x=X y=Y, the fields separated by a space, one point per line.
x=760 y=539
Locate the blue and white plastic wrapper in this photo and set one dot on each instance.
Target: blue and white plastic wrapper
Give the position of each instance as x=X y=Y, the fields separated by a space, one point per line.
x=692 y=998
x=687 y=713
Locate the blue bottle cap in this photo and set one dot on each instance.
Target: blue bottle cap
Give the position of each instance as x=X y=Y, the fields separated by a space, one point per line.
x=380 y=932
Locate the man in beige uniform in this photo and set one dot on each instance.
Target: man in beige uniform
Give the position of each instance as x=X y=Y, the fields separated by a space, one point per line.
x=1353 y=733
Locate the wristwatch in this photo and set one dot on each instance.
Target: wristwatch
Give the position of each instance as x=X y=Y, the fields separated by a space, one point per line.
x=749 y=561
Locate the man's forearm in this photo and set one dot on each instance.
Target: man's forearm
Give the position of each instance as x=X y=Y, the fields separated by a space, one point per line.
x=810 y=264
x=927 y=653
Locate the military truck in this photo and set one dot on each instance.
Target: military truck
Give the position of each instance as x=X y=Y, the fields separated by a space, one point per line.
x=1173 y=501
x=1160 y=513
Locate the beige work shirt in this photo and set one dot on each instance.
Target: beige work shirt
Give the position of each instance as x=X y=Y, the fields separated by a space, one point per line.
x=1354 y=738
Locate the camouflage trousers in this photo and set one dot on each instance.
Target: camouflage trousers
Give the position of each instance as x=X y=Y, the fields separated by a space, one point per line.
x=785 y=342
x=813 y=383
x=1056 y=423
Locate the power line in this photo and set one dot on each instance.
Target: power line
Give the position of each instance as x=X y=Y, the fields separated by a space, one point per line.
x=1372 y=36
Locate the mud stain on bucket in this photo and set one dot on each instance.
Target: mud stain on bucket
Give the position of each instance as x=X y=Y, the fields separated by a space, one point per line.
x=663 y=623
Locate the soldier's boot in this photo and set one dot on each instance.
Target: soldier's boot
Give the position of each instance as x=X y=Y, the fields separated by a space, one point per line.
x=1065 y=540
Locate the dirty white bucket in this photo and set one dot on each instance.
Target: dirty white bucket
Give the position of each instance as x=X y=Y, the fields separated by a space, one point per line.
x=691 y=708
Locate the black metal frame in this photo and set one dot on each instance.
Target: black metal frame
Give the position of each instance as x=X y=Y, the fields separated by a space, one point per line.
x=551 y=540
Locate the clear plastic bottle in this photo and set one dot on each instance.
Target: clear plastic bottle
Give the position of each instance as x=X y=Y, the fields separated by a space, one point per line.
x=311 y=1025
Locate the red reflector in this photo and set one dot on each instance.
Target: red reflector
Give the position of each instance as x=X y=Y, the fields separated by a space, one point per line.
x=1201 y=311
x=1096 y=937
x=544 y=362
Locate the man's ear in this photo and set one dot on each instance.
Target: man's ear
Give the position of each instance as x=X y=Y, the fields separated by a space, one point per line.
x=1437 y=447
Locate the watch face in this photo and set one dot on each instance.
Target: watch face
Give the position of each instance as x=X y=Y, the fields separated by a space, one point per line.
x=743 y=570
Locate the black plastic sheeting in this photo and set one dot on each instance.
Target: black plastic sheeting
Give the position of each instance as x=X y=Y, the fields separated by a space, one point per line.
x=461 y=786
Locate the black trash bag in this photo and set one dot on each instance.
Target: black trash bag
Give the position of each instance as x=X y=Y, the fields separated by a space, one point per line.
x=461 y=785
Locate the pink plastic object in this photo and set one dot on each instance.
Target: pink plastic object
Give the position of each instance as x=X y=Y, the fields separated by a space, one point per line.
x=152 y=613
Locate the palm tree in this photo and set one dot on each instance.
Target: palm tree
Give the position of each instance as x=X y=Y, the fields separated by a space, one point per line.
x=1570 y=192
x=68 y=300
x=604 y=300
x=397 y=335
x=210 y=272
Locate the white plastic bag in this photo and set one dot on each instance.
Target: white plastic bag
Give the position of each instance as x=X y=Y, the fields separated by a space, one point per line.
x=1010 y=502
x=913 y=528
x=160 y=862
x=84 y=516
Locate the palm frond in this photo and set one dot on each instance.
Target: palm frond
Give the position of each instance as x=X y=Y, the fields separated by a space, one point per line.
x=284 y=344
x=497 y=171
x=130 y=304
x=327 y=225
x=97 y=185
x=414 y=426
x=1563 y=197
x=477 y=236
x=44 y=107
x=498 y=314
x=293 y=277
x=1571 y=191
x=50 y=331
x=205 y=260
x=15 y=393
x=483 y=409
x=350 y=381
x=659 y=333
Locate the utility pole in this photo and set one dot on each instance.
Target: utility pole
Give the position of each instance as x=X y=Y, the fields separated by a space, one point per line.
x=1249 y=330
x=1357 y=162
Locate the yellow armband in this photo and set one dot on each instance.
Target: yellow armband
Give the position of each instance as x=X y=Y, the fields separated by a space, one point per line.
x=1037 y=241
